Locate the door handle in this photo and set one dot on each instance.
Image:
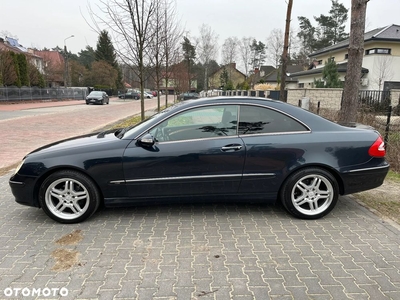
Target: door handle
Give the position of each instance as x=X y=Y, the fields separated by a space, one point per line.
x=231 y=147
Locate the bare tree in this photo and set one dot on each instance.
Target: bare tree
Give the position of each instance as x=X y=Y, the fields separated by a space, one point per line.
x=383 y=70
x=275 y=46
x=157 y=53
x=348 y=111
x=172 y=35
x=285 y=52
x=229 y=50
x=207 y=46
x=131 y=24
x=245 y=52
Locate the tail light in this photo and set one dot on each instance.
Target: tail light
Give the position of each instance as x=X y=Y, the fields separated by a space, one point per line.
x=378 y=148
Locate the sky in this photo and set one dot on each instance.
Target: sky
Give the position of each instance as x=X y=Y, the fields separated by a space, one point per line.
x=48 y=23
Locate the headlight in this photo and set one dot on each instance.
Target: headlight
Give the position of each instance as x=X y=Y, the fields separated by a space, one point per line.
x=19 y=166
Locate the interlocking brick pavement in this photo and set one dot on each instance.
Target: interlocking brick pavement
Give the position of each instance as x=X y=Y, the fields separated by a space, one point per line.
x=187 y=251
x=220 y=251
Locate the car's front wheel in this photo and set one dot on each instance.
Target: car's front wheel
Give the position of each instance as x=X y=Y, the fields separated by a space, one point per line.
x=310 y=193
x=68 y=196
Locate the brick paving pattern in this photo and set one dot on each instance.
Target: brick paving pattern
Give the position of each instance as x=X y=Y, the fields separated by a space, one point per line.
x=220 y=251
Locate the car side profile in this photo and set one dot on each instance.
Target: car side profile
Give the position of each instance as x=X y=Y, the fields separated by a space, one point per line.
x=97 y=97
x=130 y=95
x=237 y=149
x=188 y=96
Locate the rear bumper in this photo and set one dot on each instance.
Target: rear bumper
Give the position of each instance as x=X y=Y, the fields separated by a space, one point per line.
x=359 y=180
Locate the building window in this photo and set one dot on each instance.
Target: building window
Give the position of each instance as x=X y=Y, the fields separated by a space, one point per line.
x=301 y=85
x=330 y=59
x=378 y=51
x=320 y=62
x=346 y=56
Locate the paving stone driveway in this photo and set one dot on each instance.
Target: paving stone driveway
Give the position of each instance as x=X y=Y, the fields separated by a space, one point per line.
x=220 y=251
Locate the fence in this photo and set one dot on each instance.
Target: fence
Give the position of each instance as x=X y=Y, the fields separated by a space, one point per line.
x=33 y=93
x=377 y=101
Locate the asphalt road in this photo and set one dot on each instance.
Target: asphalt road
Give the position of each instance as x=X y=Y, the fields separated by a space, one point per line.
x=217 y=251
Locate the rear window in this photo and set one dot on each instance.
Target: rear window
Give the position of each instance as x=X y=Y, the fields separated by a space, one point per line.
x=257 y=120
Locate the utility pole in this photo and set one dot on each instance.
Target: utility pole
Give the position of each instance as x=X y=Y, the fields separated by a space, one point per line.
x=66 y=69
x=348 y=110
x=285 y=52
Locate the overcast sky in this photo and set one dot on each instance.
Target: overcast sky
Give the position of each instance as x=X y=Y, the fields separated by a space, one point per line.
x=46 y=23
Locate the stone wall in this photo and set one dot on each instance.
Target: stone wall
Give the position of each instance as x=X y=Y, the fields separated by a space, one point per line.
x=328 y=98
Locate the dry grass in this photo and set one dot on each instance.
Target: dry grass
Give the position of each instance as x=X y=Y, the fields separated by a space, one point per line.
x=384 y=200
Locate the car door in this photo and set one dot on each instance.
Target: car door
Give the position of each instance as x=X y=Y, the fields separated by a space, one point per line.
x=197 y=152
x=275 y=145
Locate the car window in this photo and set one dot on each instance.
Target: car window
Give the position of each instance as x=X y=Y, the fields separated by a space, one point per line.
x=255 y=120
x=199 y=123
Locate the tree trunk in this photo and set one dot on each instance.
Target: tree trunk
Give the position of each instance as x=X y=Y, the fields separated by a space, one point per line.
x=348 y=110
x=285 y=52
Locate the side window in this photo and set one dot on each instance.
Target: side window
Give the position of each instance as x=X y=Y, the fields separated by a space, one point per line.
x=198 y=123
x=255 y=120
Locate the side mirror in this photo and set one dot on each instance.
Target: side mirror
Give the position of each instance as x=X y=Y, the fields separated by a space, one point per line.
x=147 y=140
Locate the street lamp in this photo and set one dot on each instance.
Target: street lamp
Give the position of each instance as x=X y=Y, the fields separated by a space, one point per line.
x=66 y=73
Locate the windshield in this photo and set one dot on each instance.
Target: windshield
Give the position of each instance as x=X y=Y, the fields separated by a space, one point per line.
x=96 y=93
x=135 y=130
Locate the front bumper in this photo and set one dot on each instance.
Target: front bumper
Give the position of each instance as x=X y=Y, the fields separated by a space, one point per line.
x=96 y=101
x=22 y=187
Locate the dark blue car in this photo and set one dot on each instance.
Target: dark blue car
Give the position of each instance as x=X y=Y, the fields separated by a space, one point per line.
x=219 y=149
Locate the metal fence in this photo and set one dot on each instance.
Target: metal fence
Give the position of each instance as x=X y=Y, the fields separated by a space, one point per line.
x=377 y=101
x=34 y=93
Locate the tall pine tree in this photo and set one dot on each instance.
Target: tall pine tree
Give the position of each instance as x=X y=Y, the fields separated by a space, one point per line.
x=105 y=52
x=330 y=28
x=189 y=55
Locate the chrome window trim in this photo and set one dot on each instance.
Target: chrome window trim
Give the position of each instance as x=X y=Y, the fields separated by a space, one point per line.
x=191 y=177
x=200 y=139
x=274 y=133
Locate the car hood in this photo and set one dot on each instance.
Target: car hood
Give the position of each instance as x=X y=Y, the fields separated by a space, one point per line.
x=88 y=141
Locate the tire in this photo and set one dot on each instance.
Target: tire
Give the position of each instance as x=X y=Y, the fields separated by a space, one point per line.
x=58 y=193
x=310 y=193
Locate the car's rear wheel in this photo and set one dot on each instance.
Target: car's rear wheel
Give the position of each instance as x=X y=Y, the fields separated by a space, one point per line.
x=68 y=196
x=310 y=193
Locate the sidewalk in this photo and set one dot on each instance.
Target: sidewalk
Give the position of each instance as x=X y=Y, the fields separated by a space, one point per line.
x=37 y=104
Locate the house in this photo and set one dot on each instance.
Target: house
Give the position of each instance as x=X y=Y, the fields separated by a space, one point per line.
x=11 y=44
x=53 y=67
x=381 y=59
x=234 y=75
x=273 y=78
x=179 y=80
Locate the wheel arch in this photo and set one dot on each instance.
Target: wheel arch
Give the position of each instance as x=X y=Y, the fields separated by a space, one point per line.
x=327 y=168
x=48 y=172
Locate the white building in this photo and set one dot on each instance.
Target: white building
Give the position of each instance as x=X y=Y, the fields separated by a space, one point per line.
x=381 y=61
